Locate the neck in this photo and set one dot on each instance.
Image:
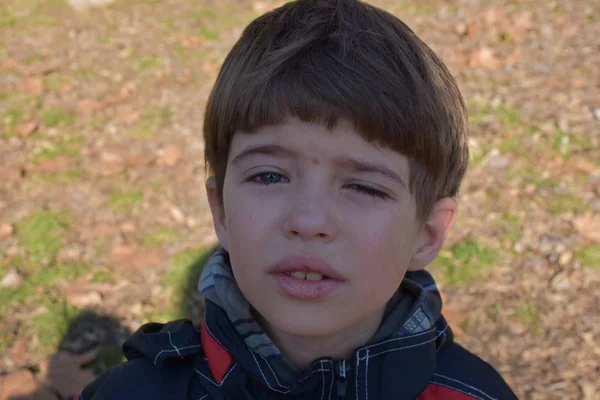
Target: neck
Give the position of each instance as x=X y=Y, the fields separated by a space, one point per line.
x=303 y=350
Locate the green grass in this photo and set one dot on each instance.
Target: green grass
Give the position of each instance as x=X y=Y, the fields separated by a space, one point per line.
x=478 y=111
x=529 y=315
x=52 y=150
x=108 y=357
x=52 y=325
x=56 y=81
x=512 y=227
x=63 y=177
x=560 y=203
x=11 y=119
x=208 y=34
x=509 y=117
x=148 y=62
x=204 y=13
x=160 y=237
x=567 y=143
x=152 y=121
x=57 y=117
x=42 y=235
x=121 y=199
x=465 y=262
x=589 y=256
x=103 y=276
x=511 y=144
x=49 y=276
x=182 y=278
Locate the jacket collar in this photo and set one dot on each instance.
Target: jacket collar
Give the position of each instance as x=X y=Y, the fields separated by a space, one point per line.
x=409 y=336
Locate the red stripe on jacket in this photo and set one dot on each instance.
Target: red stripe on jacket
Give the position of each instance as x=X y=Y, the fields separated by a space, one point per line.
x=219 y=360
x=437 y=392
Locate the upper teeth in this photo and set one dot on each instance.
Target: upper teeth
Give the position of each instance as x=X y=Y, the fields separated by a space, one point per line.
x=310 y=276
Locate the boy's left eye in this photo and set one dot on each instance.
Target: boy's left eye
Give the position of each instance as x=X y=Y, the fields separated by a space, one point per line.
x=368 y=191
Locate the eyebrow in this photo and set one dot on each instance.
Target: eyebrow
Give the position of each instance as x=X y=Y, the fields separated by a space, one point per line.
x=347 y=163
x=267 y=150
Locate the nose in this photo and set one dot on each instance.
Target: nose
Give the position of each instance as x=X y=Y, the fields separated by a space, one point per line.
x=310 y=217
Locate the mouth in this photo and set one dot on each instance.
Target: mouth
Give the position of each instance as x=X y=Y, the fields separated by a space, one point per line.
x=308 y=276
x=307 y=268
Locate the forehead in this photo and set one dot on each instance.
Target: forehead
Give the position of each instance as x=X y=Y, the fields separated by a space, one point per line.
x=316 y=142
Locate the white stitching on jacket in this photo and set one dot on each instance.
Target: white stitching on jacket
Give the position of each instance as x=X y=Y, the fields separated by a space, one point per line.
x=171 y=341
x=170 y=351
x=213 y=382
x=411 y=346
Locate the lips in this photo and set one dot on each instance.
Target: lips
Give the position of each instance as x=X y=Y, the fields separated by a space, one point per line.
x=306 y=277
x=307 y=265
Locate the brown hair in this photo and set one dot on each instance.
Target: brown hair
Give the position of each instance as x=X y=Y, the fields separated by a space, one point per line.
x=329 y=61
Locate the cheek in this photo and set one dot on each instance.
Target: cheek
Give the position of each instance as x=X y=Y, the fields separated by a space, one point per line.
x=383 y=245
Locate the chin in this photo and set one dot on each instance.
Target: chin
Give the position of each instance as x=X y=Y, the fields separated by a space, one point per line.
x=306 y=325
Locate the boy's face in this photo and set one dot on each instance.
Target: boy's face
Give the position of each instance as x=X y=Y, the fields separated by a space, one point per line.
x=297 y=190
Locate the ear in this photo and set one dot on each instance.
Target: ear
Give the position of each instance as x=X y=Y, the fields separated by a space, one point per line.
x=218 y=213
x=434 y=232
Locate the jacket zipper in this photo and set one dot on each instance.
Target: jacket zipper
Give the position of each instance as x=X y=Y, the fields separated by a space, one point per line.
x=343 y=370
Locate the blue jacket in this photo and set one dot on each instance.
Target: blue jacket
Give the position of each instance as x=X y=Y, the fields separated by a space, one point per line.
x=412 y=356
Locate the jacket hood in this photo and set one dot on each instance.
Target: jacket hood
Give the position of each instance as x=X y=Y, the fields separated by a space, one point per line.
x=411 y=333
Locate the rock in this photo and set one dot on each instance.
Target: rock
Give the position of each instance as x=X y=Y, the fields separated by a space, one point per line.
x=85 y=299
x=69 y=254
x=177 y=215
x=6 y=231
x=597 y=113
x=565 y=258
x=12 y=279
x=561 y=281
x=517 y=328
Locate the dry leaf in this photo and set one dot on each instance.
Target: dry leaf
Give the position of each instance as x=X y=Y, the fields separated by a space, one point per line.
x=112 y=164
x=85 y=298
x=53 y=165
x=6 y=231
x=588 y=226
x=134 y=259
x=139 y=160
x=87 y=107
x=20 y=383
x=484 y=57
x=171 y=155
x=33 y=86
x=26 y=129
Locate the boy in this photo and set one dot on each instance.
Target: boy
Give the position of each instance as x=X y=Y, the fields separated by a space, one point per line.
x=337 y=142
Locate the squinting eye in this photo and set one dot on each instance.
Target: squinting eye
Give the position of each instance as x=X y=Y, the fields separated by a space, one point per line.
x=368 y=191
x=267 y=178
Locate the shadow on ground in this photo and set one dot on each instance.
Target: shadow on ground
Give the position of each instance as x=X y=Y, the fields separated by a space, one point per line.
x=91 y=346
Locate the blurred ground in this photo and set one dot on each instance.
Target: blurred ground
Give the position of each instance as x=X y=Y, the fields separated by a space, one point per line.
x=102 y=206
